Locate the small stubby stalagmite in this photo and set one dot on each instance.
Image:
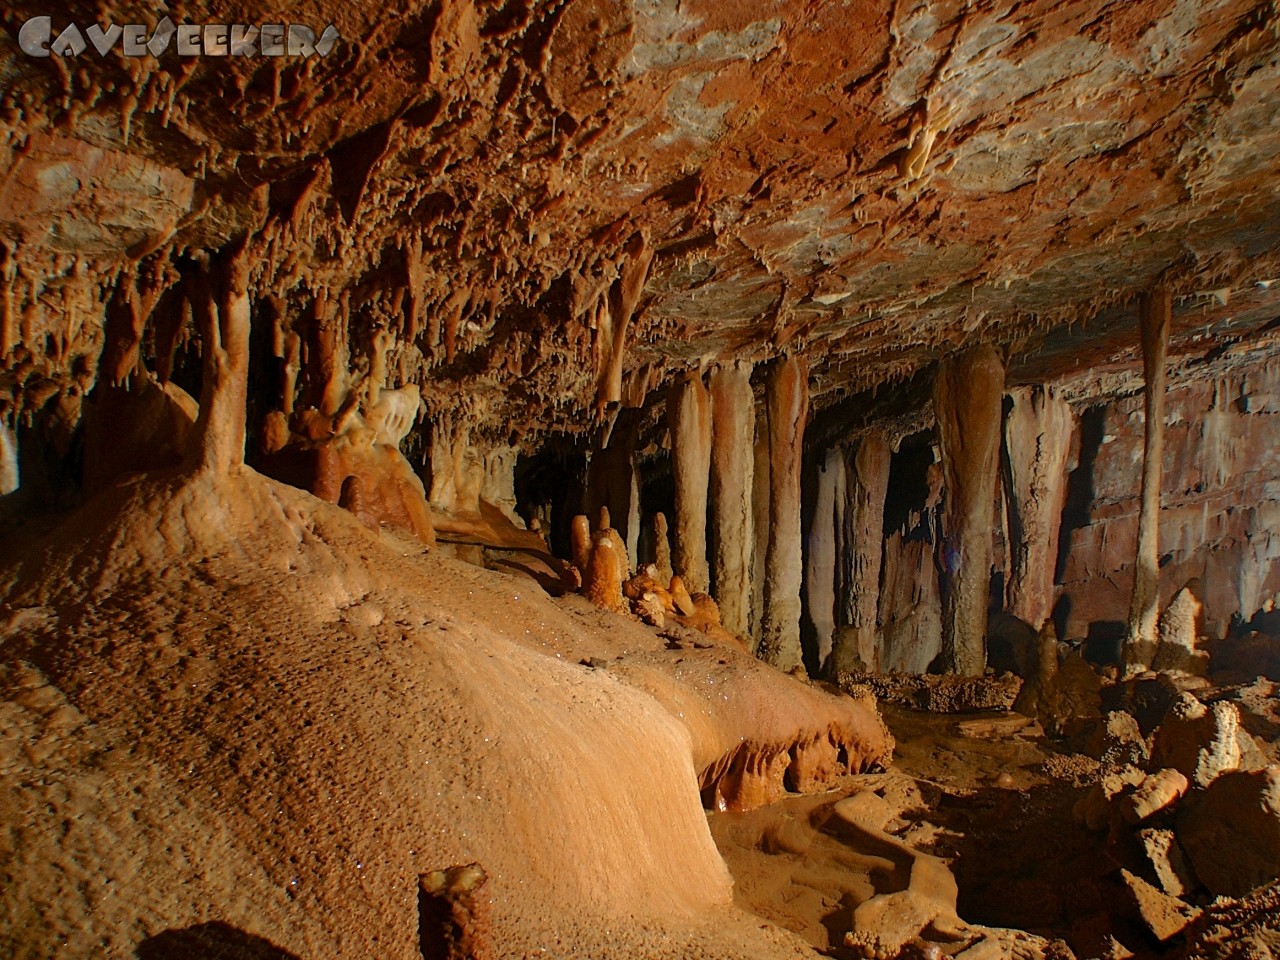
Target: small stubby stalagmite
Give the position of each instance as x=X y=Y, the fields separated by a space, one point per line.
x=1142 y=635
x=690 y=406
x=967 y=399
x=453 y=914
x=787 y=400
x=854 y=647
x=1037 y=442
x=732 y=462
x=601 y=558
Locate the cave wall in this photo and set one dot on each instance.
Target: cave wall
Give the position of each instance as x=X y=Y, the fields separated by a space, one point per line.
x=1220 y=510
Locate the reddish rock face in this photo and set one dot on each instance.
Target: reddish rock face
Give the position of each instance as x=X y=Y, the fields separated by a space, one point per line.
x=1220 y=503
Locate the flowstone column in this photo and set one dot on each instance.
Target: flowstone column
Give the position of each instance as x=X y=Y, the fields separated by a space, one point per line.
x=760 y=486
x=1142 y=635
x=862 y=556
x=787 y=401
x=967 y=400
x=220 y=303
x=690 y=407
x=732 y=462
x=1037 y=440
x=823 y=549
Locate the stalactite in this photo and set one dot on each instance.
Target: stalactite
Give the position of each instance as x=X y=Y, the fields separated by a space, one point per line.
x=968 y=397
x=127 y=315
x=8 y=276
x=1037 y=441
x=413 y=279
x=856 y=646
x=732 y=462
x=623 y=298
x=328 y=360
x=787 y=402
x=1142 y=635
x=690 y=414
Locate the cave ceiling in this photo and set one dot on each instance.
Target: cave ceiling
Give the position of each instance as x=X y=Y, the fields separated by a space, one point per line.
x=872 y=183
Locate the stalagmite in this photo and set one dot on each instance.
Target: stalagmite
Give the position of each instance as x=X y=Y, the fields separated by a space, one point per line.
x=662 y=548
x=787 y=401
x=611 y=475
x=453 y=915
x=690 y=407
x=1142 y=636
x=1037 y=440
x=823 y=540
x=732 y=460
x=862 y=554
x=967 y=400
x=220 y=300
x=605 y=570
x=580 y=541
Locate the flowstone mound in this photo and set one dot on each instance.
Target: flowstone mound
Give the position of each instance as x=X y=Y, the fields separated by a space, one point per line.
x=225 y=702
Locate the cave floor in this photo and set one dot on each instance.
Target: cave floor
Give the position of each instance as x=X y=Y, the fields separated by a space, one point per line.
x=996 y=808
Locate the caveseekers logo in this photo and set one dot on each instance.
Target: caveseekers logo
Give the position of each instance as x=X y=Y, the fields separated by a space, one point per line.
x=37 y=39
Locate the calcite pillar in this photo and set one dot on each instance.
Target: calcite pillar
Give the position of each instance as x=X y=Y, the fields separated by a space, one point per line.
x=690 y=412
x=760 y=487
x=823 y=547
x=1142 y=635
x=220 y=302
x=457 y=468
x=968 y=400
x=1037 y=441
x=10 y=477
x=787 y=402
x=862 y=554
x=733 y=409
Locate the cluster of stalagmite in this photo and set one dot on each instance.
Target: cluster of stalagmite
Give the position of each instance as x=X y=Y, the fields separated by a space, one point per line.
x=719 y=543
x=838 y=595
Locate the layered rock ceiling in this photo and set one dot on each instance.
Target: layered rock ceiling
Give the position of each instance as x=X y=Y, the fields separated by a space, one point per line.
x=554 y=207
